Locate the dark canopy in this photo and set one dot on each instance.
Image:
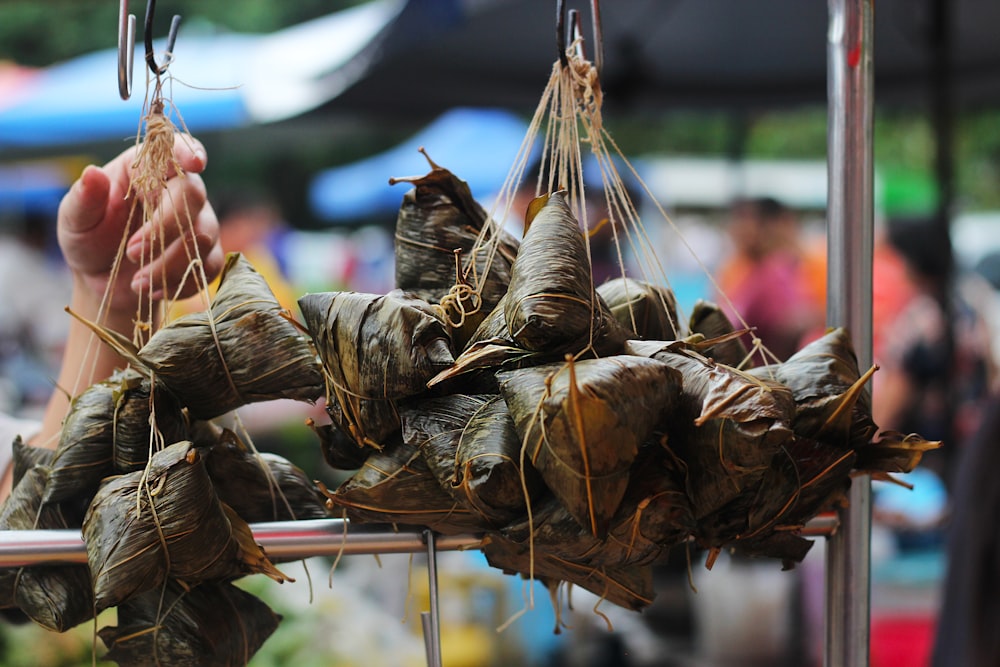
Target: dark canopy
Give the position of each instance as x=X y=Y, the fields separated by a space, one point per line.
x=668 y=54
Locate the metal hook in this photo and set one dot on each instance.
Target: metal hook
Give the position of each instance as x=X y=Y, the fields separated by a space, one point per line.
x=595 y=16
x=574 y=31
x=126 y=49
x=126 y=45
x=148 y=38
x=561 y=32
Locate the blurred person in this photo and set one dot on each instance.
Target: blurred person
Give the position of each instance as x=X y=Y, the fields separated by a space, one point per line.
x=935 y=362
x=93 y=217
x=763 y=282
x=970 y=612
x=251 y=224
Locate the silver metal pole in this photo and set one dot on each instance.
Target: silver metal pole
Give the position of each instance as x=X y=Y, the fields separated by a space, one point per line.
x=850 y=233
x=432 y=619
x=282 y=540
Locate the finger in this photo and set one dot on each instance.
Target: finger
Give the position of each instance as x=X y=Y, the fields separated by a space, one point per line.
x=166 y=272
x=84 y=206
x=188 y=156
x=173 y=216
x=190 y=153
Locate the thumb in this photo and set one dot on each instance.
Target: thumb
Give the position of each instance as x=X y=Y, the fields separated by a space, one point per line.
x=85 y=205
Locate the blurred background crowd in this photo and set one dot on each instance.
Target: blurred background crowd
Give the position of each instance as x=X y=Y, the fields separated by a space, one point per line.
x=300 y=184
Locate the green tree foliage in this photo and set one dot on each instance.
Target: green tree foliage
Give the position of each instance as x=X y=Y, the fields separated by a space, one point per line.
x=47 y=31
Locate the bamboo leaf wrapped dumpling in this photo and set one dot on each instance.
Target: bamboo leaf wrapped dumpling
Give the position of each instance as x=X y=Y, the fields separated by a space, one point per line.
x=262 y=486
x=726 y=428
x=244 y=349
x=551 y=304
x=471 y=446
x=438 y=218
x=708 y=320
x=582 y=424
x=375 y=350
x=654 y=516
x=57 y=597
x=166 y=521
x=396 y=486
x=214 y=624
x=628 y=586
x=649 y=311
x=833 y=405
x=107 y=430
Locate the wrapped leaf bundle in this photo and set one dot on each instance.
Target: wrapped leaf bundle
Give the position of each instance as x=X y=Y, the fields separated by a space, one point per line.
x=472 y=448
x=212 y=624
x=708 y=320
x=551 y=304
x=726 y=428
x=434 y=426
x=583 y=423
x=490 y=473
x=831 y=402
x=244 y=349
x=132 y=416
x=108 y=430
x=649 y=311
x=25 y=457
x=375 y=350
x=438 y=219
x=654 y=516
x=339 y=449
x=892 y=452
x=56 y=597
x=166 y=521
x=85 y=454
x=396 y=486
x=630 y=586
x=261 y=487
x=805 y=478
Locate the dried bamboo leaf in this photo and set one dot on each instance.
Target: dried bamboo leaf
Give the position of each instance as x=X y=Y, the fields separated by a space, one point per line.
x=630 y=586
x=137 y=405
x=261 y=487
x=396 y=486
x=649 y=311
x=375 y=350
x=582 y=424
x=434 y=426
x=214 y=624
x=85 y=454
x=708 y=320
x=340 y=451
x=551 y=304
x=473 y=450
x=654 y=516
x=894 y=452
x=166 y=521
x=726 y=429
x=832 y=403
x=438 y=219
x=56 y=597
x=244 y=349
x=490 y=474
x=26 y=457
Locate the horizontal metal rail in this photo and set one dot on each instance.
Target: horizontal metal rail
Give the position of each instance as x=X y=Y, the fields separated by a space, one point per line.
x=282 y=540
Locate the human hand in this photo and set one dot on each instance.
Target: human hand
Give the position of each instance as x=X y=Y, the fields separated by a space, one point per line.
x=98 y=212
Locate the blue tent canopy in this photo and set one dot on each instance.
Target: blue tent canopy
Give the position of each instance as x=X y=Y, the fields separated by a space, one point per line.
x=77 y=101
x=477 y=145
x=218 y=81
